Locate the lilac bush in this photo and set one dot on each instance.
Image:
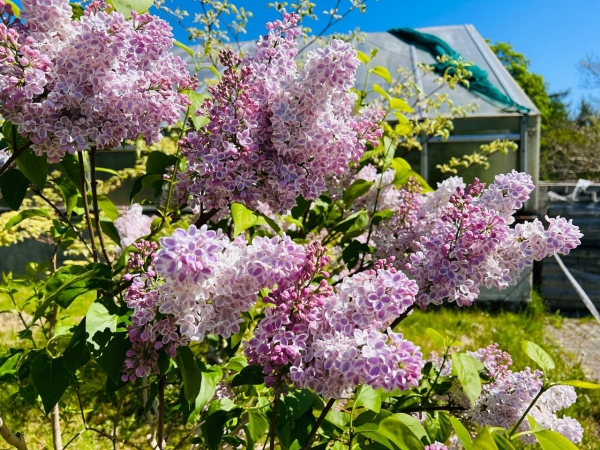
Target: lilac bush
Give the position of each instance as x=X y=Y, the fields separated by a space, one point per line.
x=266 y=299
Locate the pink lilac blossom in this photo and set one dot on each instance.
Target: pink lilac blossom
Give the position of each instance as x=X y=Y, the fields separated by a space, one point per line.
x=435 y=446
x=503 y=402
x=199 y=282
x=468 y=242
x=91 y=83
x=132 y=224
x=275 y=131
x=331 y=341
x=508 y=394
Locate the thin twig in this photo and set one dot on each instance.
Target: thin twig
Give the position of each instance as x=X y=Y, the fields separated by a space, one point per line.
x=402 y=316
x=273 y=420
x=12 y=159
x=94 y=184
x=315 y=428
x=86 y=207
x=63 y=217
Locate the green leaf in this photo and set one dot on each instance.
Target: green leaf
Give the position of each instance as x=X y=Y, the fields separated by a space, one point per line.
x=109 y=229
x=379 y=90
x=404 y=171
x=538 y=355
x=69 y=282
x=436 y=338
x=69 y=193
x=257 y=425
x=158 y=162
x=382 y=215
x=69 y=166
x=107 y=344
x=26 y=214
x=13 y=185
x=400 y=104
x=197 y=100
x=415 y=426
x=154 y=180
x=249 y=375
x=34 y=167
x=76 y=11
x=351 y=253
x=191 y=374
x=382 y=72
x=369 y=420
x=363 y=57
x=368 y=398
x=548 y=439
x=243 y=218
x=396 y=431
x=126 y=6
x=294 y=405
x=438 y=426
x=357 y=189
x=107 y=207
x=212 y=430
x=76 y=354
x=107 y=170
x=184 y=47
x=484 y=440
x=580 y=384
x=467 y=368
x=210 y=378
x=502 y=442
x=353 y=225
x=51 y=379
x=276 y=228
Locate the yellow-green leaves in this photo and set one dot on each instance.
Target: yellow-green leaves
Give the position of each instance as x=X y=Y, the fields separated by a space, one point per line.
x=467 y=369
x=538 y=355
x=126 y=6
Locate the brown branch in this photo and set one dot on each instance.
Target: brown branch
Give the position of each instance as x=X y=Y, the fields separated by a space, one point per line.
x=15 y=440
x=315 y=428
x=12 y=159
x=402 y=316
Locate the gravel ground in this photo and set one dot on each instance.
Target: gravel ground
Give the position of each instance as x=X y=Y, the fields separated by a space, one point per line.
x=580 y=339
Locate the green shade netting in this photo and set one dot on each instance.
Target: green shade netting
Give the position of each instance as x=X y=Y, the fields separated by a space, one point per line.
x=479 y=83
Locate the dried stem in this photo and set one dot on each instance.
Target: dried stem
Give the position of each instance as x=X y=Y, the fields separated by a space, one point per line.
x=15 y=440
x=86 y=206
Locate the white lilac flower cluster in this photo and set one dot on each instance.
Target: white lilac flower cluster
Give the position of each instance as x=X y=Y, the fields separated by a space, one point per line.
x=460 y=238
x=508 y=394
x=199 y=282
x=73 y=85
x=132 y=224
x=331 y=341
x=276 y=131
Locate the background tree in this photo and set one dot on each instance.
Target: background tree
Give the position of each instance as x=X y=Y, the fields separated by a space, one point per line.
x=569 y=143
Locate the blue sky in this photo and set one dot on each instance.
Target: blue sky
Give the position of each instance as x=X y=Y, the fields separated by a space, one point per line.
x=553 y=34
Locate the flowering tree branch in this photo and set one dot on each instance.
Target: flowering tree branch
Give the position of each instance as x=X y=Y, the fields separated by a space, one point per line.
x=16 y=440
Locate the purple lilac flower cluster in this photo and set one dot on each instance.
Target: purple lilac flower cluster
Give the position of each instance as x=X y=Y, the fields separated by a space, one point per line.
x=73 y=85
x=276 y=131
x=200 y=282
x=508 y=394
x=435 y=446
x=460 y=237
x=331 y=341
x=503 y=402
x=132 y=224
